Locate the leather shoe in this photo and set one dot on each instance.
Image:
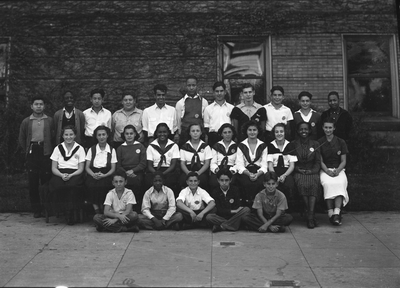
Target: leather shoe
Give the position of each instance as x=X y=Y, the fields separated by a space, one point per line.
x=216 y=228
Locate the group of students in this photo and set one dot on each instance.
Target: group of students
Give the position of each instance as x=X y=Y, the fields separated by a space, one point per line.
x=239 y=154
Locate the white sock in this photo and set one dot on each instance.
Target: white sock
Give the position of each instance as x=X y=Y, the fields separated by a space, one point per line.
x=330 y=213
x=336 y=211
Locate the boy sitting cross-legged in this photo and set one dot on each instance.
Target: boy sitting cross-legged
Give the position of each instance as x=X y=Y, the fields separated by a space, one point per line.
x=118 y=215
x=271 y=205
x=195 y=204
x=158 y=207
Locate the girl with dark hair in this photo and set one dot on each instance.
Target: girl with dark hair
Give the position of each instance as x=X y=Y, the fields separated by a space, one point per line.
x=100 y=164
x=306 y=170
x=131 y=156
x=251 y=163
x=223 y=154
x=162 y=156
x=281 y=159
x=196 y=157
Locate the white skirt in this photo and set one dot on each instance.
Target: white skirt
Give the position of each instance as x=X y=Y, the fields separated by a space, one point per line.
x=335 y=186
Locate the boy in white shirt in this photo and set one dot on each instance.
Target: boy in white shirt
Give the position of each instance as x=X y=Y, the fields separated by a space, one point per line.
x=118 y=214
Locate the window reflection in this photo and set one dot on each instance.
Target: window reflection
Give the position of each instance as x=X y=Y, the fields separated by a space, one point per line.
x=243 y=59
x=368 y=74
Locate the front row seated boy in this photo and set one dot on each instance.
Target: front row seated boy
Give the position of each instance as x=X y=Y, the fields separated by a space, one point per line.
x=195 y=204
x=158 y=207
x=271 y=205
x=118 y=214
x=230 y=213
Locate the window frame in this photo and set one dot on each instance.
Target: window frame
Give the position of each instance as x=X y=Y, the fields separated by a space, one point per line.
x=266 y=40
x=394 y=74
x=7 y=41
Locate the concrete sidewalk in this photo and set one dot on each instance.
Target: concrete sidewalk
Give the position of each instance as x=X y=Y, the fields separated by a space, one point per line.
x=363 y=252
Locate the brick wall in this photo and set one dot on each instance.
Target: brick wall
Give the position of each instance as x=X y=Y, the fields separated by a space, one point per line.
x=132 y=45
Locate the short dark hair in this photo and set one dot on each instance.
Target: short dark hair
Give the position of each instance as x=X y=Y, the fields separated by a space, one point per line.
x=160 y=87
x=333 y=93
x=192 y=174
x=195 y=124
x=97 y=91
x=279 y=125
x=225 y=172
x=120 y=172
x=34 y=98
x=127 y=93
x=277 y=87
x=158 y=173
x=130 y=126
x=304 y=93
x=162 y=124
x=71 y=127
x=303 y=122
x=246 y=126
x=191 y=77
x=101 y=127
x=68 y=91
x=248 y=85
x=270 y=176
x=329 y=120
x=218 y=84
x=227 y=125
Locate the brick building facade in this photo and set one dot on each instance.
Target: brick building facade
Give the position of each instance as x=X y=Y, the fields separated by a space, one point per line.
x=50 y=46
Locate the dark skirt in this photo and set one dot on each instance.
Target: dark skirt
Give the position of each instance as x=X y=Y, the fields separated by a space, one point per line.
x=67 y=195
x=97 y=189
x=307 y=185
x=249 y=189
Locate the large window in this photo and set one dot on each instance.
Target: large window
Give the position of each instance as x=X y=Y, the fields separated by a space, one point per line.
x=370 y=74
x=244 y=60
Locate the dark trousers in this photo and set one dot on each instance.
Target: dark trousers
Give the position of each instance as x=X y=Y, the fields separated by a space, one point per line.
x=249 y=189
x=117 y=226
x=231 y=224
x=205 y=222
x=253 y=222
x=146 y=223
x=39 y=172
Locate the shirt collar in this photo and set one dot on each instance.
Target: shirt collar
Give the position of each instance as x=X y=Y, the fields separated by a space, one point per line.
x=163 y=189
x=187 y=96
x=73 y=110
x=44 y=116
x=91 y=109
x=107 y=149
x=125 y=144
x=223 y=104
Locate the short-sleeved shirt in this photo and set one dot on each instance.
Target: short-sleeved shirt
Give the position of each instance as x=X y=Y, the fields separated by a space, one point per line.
x=332 y=151
x=288 y=153
x=121 y=118
x=269 y=207
x=216 y=115
x=100 y=160
x=275 y=116
x=71 y=163
x=194 y=201
x=153 y=155
x=204 y=154
x=154 y=115
x=119 y=205
x=94 y=120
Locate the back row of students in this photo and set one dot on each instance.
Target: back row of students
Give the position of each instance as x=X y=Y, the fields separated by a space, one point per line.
x=36 y=139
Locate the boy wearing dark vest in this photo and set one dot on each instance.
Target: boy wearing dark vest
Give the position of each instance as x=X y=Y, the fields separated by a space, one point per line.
x=69 y=115
x=35 y=137
x=189 y=109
